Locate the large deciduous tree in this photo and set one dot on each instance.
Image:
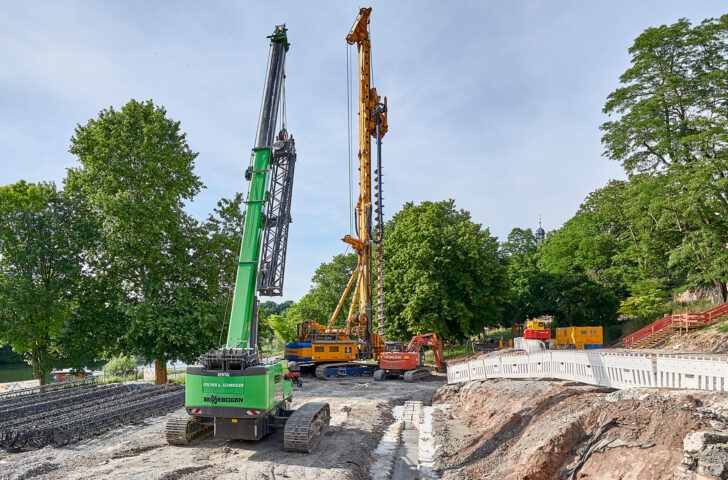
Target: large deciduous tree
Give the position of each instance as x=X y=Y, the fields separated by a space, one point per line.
x=42 y=237
x=136 y=173
x=327 y=285
x=671 y=127
x=442 y=273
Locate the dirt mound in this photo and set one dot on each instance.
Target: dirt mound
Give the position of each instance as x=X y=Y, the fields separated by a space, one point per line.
x=708 y=340
x=540 y=430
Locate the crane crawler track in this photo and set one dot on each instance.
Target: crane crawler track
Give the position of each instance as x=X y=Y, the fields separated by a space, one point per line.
x=305 y=427
x=184 y=429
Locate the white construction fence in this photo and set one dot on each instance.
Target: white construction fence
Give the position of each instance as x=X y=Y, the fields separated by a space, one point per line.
x=614 y=370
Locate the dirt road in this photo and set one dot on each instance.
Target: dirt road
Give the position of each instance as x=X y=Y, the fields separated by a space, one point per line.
x=360 y=411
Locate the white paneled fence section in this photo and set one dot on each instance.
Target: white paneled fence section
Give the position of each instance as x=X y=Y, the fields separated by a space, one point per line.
x=615 y=370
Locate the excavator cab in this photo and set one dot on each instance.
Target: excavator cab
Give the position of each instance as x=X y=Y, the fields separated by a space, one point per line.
x=394 y=347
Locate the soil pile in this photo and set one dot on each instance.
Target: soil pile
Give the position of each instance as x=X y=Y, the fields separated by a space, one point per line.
x=708 y=340
x=539 y=430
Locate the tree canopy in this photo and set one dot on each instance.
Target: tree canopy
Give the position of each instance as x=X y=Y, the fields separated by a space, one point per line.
x=670 y=135
x=42 y=236
x=136 y=173
x=442 y=272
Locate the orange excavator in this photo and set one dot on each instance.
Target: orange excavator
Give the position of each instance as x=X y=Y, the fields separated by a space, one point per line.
x=409 y=363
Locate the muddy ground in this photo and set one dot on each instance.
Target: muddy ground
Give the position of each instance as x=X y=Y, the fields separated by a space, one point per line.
x=360 y=411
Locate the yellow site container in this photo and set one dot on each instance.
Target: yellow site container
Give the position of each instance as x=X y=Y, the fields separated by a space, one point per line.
x=580 y=337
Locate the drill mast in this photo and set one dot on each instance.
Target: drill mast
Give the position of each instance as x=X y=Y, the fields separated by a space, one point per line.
x=372 y=123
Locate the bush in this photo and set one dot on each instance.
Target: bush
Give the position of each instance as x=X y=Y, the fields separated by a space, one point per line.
x=120 y=366
x=613 y=333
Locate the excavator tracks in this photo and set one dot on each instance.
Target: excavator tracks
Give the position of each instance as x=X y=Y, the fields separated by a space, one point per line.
x=305 y=427
x=184 y=429
x=416 y=374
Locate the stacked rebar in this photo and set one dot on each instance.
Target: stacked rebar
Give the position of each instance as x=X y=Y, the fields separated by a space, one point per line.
x=65 y=415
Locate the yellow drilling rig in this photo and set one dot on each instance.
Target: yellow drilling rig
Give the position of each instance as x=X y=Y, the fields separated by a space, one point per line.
x=344 y=351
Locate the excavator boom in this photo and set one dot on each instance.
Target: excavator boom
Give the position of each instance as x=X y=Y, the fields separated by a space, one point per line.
x=242 y=331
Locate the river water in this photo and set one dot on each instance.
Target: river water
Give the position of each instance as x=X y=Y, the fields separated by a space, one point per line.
x=14 y=372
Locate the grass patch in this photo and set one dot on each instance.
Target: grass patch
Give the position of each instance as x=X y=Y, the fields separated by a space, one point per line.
x=107 y=379
x=696 y=306
x=504 y=333
x=722 y=327
x=449 y=352
x=179 y=381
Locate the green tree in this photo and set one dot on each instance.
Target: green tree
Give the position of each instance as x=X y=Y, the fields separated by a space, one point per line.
x=284 y=325
x=136 y=173
x=327 y=285
x=266 y=311
x=442 y=273
x=42 y=234
x=120 y=366
x=219 y=249
x=519 y=253
x=7 y=355
x=572 y=299
x=521 y=241
x=671 y=127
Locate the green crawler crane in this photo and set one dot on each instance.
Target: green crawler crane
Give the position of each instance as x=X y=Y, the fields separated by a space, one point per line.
x=230 y=390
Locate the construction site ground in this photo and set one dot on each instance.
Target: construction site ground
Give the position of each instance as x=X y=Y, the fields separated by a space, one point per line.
x=552 y=429
x=360 y=408
x=491 y=429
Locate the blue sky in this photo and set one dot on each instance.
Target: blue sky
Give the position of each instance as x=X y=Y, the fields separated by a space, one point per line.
x=494 y=104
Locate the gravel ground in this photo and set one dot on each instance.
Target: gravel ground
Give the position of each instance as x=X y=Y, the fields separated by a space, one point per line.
x=360 y=411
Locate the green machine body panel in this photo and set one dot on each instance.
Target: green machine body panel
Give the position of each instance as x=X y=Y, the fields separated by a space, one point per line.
x=225 y=394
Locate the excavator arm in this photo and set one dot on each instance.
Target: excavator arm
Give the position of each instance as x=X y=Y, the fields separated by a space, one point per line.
x=428 y=340
x=267 y=208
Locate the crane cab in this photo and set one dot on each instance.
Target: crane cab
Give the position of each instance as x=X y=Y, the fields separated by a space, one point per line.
x=537 y=330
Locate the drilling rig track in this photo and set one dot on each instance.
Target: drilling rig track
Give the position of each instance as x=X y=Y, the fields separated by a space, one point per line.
x=345 y=369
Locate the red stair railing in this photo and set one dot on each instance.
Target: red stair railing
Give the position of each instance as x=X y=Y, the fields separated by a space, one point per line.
x=680 y=320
